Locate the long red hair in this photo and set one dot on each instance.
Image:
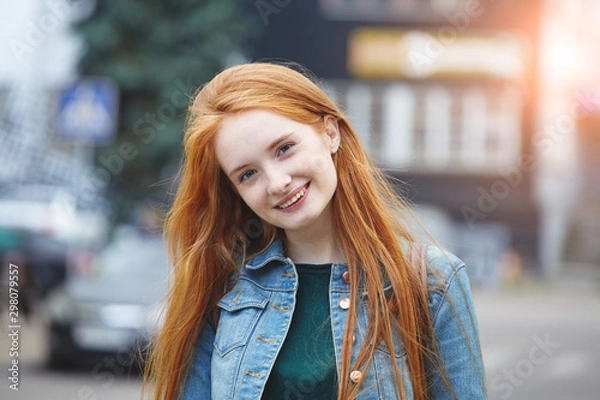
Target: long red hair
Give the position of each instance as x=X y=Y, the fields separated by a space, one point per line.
x=210 y=231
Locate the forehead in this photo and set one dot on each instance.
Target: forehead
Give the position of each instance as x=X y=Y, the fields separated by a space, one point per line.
x=255 y=125
x=247 y=134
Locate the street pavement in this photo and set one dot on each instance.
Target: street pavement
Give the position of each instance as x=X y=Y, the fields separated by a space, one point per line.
x=539 y=342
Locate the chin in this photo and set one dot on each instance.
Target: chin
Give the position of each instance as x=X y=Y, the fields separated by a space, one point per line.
x=302 y=224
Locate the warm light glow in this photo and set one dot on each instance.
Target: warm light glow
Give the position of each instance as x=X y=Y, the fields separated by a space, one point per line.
x=563 y=56
x=569 y=52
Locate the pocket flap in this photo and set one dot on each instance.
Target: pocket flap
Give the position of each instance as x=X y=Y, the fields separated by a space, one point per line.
x=240 y=299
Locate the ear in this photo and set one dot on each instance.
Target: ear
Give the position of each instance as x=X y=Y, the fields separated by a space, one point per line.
x=332 y=132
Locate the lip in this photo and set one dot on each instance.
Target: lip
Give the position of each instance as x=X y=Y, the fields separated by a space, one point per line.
x=291 y=195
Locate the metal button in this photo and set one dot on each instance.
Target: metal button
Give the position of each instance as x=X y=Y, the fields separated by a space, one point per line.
x=355 y=376
x=345 y=303
x=346 y=277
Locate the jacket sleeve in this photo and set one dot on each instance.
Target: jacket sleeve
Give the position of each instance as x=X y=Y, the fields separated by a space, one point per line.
x=457 y=334
x=197 y=383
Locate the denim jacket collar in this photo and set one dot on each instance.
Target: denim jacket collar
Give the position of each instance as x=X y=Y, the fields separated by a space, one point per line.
x=272 y=253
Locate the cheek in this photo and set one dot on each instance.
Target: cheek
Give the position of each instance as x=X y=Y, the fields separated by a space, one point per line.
x=330 y=174
x=321 y=164
x=252 y=198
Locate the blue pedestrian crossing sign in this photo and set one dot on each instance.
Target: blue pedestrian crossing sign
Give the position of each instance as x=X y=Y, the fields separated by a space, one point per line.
x=87 y=111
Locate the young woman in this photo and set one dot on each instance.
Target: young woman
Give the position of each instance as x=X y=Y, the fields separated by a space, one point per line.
x=294 y=270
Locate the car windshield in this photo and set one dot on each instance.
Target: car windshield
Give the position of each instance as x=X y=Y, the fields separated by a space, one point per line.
x=36 y=193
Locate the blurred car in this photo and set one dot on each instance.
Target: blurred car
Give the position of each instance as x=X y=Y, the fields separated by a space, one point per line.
x=42 y=226
x=51 y=210
x=41 y=261
x=111 y=308
x=45 y=257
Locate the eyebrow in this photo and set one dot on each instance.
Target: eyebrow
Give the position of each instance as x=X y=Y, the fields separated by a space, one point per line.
x=270 y=148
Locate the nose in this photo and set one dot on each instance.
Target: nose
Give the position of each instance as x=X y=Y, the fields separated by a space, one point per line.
x=278 y=181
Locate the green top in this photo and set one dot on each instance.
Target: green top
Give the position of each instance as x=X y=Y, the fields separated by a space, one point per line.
x=305 y=367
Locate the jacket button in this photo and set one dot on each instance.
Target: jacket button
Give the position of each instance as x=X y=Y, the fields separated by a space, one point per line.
x=355 y=376
x=346 y=277
x=345 y=303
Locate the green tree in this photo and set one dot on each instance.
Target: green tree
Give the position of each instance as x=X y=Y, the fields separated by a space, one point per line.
x=158 y=52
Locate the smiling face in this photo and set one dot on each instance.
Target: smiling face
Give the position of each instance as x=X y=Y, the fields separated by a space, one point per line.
x=282 y=169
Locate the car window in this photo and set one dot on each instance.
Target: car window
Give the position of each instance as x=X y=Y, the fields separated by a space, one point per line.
x=134 y=258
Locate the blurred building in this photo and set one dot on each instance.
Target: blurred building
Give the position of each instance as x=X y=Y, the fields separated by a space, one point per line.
x=39 y=59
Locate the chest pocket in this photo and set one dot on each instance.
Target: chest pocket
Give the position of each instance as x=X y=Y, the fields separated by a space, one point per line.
x=399 y=349
x=240 y=310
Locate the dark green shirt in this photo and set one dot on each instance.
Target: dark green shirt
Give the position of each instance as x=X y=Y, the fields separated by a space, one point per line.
x=305 y=368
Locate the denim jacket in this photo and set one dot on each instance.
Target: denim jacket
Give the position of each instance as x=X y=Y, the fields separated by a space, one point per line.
x=234 y=362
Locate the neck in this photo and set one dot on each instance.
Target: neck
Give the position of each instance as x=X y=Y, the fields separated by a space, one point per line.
x=313 y=247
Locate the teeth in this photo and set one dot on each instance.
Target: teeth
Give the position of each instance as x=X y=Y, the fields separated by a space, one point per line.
x=293 y=199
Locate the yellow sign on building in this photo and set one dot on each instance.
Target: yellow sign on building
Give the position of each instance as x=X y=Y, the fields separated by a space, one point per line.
x=378 y=53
